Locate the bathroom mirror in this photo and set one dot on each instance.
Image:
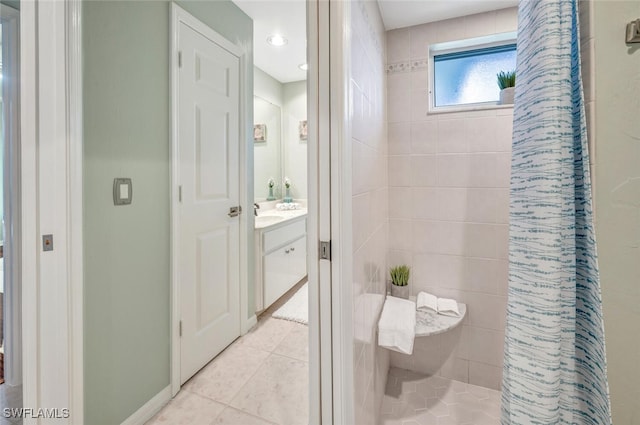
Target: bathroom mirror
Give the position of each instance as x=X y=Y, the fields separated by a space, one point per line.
x=267 y=148
x=295 y=137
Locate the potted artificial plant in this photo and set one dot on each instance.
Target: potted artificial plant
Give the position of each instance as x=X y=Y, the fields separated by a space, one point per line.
x=400 y=281
x=507 y=84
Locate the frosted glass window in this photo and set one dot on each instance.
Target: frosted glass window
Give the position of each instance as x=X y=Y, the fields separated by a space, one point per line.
x=468 y=77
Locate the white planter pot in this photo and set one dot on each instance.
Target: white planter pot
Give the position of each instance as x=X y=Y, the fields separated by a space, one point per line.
x=400 y=291
x=506 y=96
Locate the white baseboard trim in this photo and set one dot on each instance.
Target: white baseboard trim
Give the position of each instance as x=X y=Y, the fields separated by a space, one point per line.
x=248 y=324
x=150 y=408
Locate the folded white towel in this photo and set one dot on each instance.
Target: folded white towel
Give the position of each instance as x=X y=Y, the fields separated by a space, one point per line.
x=443 y=306
x=365 y=316
x=397 y=325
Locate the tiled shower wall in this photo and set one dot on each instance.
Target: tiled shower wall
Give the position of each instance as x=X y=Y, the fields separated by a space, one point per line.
x=612 y=92
x=370 y=216
x=449 y=202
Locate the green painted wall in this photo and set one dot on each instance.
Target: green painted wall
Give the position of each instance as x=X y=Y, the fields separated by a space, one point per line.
x=126 y=248
x=12 y=3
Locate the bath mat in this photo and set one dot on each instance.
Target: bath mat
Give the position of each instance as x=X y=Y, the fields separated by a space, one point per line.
x=297 y=308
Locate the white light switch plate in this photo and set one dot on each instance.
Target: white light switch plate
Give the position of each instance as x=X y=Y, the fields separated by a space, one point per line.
x=122 y=191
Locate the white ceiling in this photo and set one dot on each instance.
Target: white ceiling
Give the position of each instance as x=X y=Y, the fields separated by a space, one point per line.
x=405 y=13
x=288 y=18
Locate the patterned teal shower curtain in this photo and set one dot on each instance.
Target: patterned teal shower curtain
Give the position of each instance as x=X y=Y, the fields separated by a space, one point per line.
x=554 y=364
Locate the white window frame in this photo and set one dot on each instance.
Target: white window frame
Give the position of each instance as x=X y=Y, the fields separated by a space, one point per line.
x=494 y=40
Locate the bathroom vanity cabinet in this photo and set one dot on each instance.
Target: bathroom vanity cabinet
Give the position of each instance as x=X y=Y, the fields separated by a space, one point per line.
x=281 y=259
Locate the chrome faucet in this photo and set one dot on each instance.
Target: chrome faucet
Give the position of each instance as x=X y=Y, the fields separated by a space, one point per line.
x=256 y=207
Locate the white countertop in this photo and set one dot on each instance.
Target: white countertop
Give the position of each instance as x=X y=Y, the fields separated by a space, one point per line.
x=272 y=217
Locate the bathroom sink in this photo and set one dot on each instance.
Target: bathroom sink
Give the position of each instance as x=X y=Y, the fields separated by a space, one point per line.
x=266 y=220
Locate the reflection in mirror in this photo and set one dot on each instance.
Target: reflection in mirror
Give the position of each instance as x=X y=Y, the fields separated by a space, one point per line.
x=295 y=138
x=267 y=149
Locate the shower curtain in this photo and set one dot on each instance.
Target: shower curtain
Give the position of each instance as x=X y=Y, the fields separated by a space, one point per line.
x=554 y=364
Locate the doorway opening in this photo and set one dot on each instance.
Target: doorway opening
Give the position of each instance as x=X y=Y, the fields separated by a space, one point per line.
x=10 y=299
x=252 y=377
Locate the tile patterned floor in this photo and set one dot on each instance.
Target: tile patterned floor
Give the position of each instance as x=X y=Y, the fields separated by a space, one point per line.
x=10 y=397
x=260 y=379
x=414 y=399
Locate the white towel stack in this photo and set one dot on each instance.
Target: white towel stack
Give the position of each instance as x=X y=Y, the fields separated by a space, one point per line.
x=443 y=306
x=397 y=325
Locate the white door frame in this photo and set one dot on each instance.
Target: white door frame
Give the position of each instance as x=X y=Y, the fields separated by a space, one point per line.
x=341 y=213
x=52 y=283
x=320 y=397
x=330 y=214
x=12 y=310
x=178 y=16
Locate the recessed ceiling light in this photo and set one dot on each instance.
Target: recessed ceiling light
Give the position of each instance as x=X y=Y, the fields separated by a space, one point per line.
x=277 y=40
x=303 y=66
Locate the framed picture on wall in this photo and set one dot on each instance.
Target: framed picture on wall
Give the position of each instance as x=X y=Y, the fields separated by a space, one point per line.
x=302 y=129
x=259 y=132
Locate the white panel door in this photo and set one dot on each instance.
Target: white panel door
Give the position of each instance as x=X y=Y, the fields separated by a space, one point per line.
x=208 y=148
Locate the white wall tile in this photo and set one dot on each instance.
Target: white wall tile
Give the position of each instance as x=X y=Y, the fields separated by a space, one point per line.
x=452 y=137
x=480 y=24
x=399 y=108
x=502 y=277
x=399 y=82
x=419 y=80
x=419 y=105
x=452 y=238
x=486 y=346
x=400 y=203
x=400 y=235
x=452 y=204
x=485 y=375
x=423 y=272
x=482 y=275
x=399 y=138
x=502 y=206
x=454 y=170
x=480 y=240
x=458 y=172
x=424 y=203
x=482 y=205
x=483 y=170
x=371 y=108
x=423 y=170
x=399 y=170
x=482 y=134
x=452 y=272
x=456 y=369
x=424 y=236
x=487 y=311
x=506 y=20
x=362 y=219
x=424 y=137
x=503 y=169
x=449 y=30
x=504 y=132
x=421 y=37
x=502 y=241
x=398 y=45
